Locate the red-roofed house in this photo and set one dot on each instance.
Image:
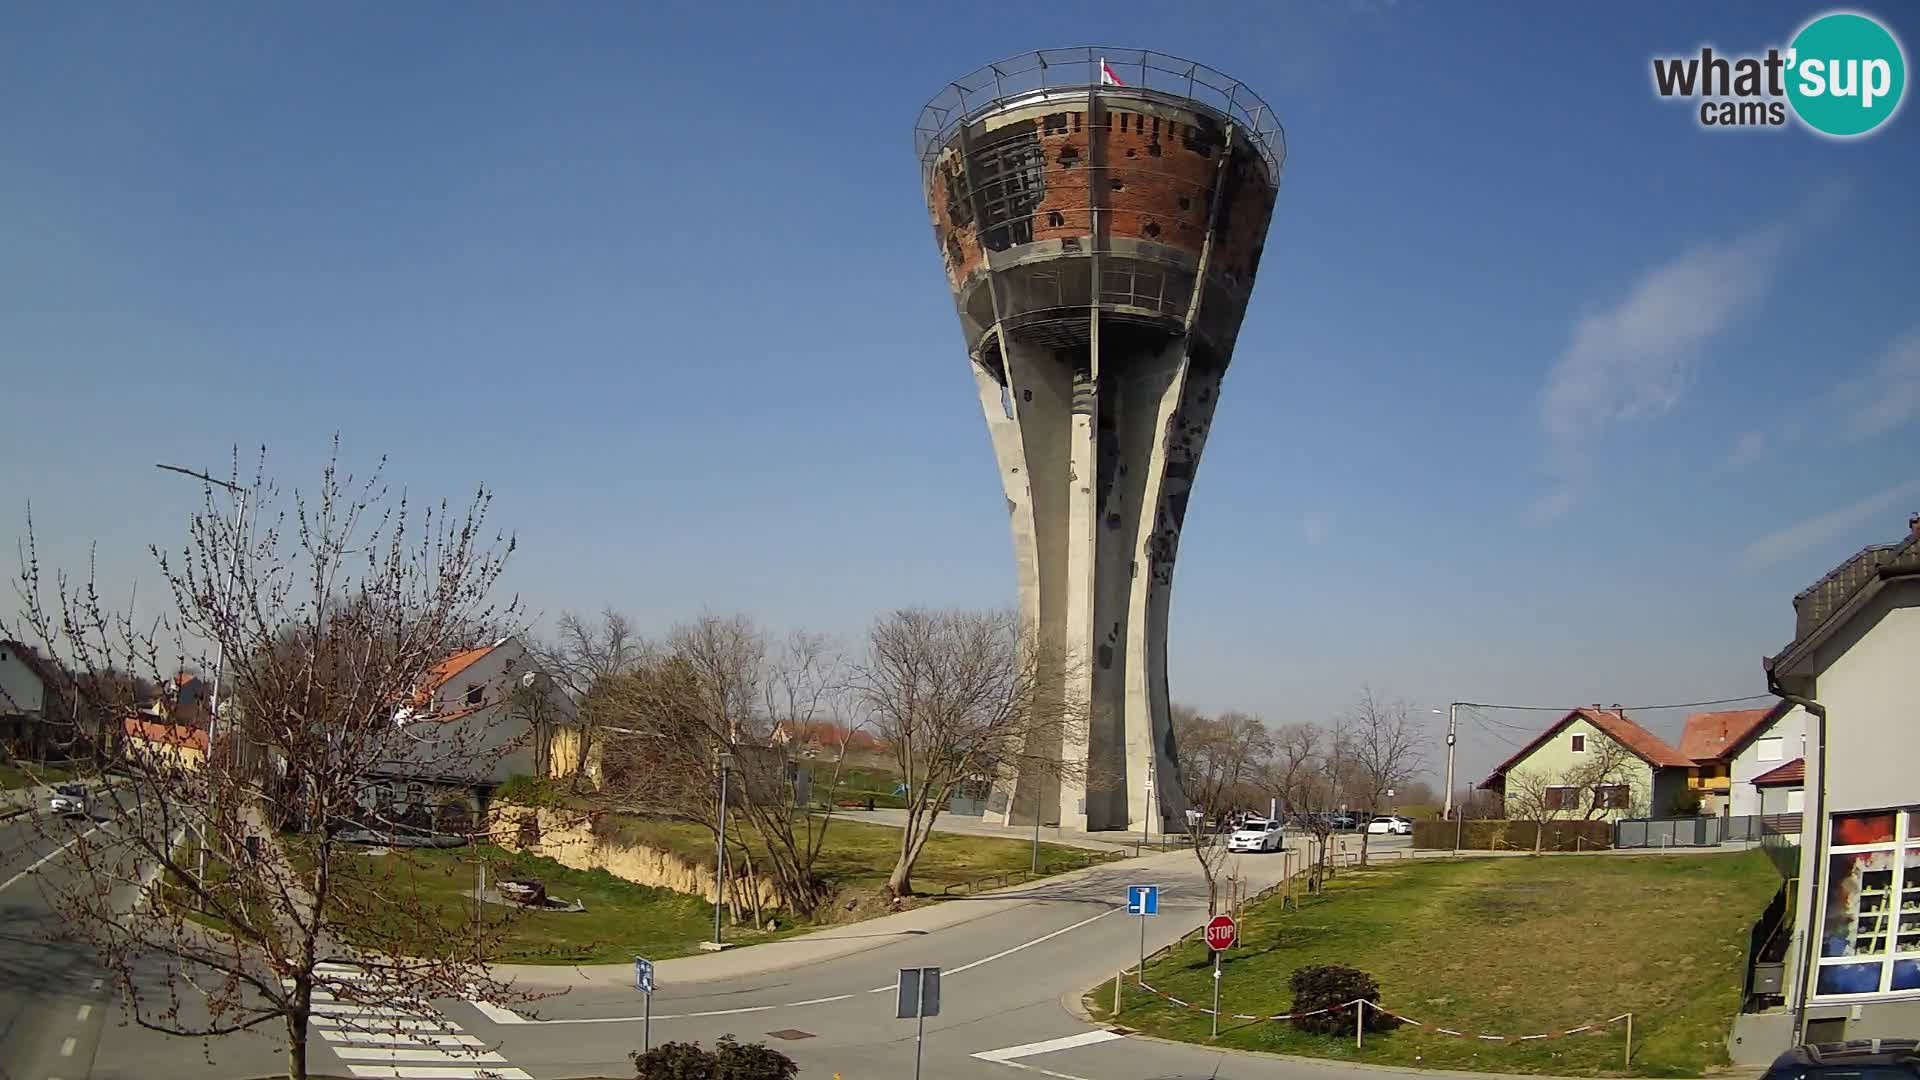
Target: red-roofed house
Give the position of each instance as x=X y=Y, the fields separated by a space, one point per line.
x=1734 y=747
x=1600 y=766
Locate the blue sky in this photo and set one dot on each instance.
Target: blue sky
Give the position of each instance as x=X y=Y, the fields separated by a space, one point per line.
x=1546 y=394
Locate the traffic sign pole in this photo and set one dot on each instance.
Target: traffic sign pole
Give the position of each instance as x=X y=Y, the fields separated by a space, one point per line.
x=1140 y=973
x=1216 y=994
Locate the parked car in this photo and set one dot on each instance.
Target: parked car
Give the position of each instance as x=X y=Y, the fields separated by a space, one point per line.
x=1343 y=822
x=1255 y=834
x=1862 y=1059
x=69 y=800
x=1390 y=825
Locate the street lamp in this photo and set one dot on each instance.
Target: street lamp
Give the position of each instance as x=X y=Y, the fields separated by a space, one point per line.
x=219 y=638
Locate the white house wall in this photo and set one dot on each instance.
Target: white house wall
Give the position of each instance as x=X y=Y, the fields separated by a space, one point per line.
x=1745 y=799
x=20 y=689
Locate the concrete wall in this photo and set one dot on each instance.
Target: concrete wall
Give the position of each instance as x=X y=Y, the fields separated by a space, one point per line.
x=1556 y=757
x=1791 y=729
x=20 y=689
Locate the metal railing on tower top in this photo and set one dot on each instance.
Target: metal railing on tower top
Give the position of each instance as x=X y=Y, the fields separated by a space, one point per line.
x=1034 y=74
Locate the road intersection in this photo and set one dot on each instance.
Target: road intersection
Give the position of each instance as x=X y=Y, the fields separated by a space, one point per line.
x=1015 y=964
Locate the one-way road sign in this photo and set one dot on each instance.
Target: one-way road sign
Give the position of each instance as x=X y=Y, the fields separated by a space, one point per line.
x=1143 y=899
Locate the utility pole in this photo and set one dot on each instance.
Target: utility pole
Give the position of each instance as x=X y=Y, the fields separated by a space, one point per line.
x=720 y=850
x=1453 y=728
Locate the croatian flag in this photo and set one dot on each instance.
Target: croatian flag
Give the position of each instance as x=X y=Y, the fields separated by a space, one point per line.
x=1107 y=77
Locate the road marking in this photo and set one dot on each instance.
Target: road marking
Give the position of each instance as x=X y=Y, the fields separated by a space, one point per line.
x=1041 y=1071
x=1085 y=1038
x=4 y=886
x=85 y=1011
x=395 y=1057
x=381 y=1023
x=1009 y=952
x=372 y=1012
x=501 y=1015
x=440 y=1073
x=415 y=1038
x=66 y=1048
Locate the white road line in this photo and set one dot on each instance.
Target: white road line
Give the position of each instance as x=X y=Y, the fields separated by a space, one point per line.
x=381 y=1023
x=417 y=1038
x=440 y=1073
x=1041 y=1071
x=1009 y=952
x=498 y=1014
x=66 y=1048
x=395 y=1057
x=85 y=1011
x=501 y=1015
x=1085 y=1038
x=44 y=859
x=369 y=1012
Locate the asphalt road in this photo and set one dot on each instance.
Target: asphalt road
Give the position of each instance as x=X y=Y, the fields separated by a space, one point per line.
x=1012 y=978
x=1010 y=982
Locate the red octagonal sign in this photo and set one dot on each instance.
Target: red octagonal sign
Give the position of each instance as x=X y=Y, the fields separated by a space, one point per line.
x=1221 y=933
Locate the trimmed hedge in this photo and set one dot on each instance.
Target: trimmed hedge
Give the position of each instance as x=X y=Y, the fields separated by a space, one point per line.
x=1327 y=987
x=1501 y=835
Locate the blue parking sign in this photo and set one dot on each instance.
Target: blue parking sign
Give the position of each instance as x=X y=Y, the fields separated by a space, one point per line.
x=643 y=975
x=1143 y=899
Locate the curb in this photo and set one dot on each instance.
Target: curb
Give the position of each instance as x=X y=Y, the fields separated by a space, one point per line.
x=1302 y=1059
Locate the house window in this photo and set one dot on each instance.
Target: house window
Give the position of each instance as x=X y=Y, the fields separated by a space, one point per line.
x=1796 y=799
x=1611 y=797
x=1563 y=798
x=1870 y=914
x=1772 y=749
x=473 y=695
x=1579 y=744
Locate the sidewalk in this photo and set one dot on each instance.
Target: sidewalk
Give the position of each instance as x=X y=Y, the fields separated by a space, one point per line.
x=987 y=826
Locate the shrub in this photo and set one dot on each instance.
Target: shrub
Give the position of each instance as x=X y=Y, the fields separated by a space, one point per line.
x=728 y=1060
x=1327 y=986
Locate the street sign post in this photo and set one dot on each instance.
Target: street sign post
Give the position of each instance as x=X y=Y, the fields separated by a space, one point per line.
x=1221 y=934
x=917 y=996
x=643 y=982
x=1143 y=900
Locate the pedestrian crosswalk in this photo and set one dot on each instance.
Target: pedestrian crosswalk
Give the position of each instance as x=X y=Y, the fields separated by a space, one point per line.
x=388 y=1035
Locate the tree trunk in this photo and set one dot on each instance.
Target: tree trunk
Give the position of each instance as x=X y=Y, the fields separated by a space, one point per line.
x=900 y=882
x=1539 y=835
x=1364 y=834
x=297 y=1043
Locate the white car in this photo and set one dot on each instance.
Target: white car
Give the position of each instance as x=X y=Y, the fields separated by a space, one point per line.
x=68 y=800
x=1391 y=825
x=1255 y=834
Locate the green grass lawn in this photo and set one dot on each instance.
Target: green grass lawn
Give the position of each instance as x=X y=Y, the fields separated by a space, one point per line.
x=12 y=777
x=858 y=856
x=1514 y=946
x=622 y=919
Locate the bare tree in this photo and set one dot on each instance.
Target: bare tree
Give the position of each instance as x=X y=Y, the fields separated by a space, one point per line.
x=1387 y=749
x=959 y=696
x=331 y=615
x=1220 y=757
x=708 y=699
x=582 y=652
x=1603 y=780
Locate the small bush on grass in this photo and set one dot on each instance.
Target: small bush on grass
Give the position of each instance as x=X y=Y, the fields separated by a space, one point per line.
x=728 y=1060
x=1327 y=986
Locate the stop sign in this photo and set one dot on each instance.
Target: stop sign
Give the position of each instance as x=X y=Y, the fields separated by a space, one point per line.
x=1221 y=933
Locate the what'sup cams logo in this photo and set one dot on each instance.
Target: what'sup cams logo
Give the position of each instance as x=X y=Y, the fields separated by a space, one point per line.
x=1843 y=76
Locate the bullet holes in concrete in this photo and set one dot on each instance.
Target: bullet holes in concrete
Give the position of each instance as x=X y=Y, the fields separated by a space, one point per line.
x=1186 y=203
x=1069 y=156
x=1056 y=219
x=1152 y=229
x=1118 y=184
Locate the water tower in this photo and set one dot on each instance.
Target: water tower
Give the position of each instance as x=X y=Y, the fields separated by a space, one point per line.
x=1101 y=214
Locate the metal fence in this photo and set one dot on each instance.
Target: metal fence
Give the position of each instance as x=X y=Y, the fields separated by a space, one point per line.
x=1688 y=831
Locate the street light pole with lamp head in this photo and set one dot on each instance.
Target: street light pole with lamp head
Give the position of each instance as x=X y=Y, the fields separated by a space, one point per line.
x=219 y=643
x=720 y=849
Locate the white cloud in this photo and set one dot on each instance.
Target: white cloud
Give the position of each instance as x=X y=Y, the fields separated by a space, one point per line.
x=1637 y=359
x=1887 y=397
x=1750 y=448
x=1794 y=539
x=1316 y=525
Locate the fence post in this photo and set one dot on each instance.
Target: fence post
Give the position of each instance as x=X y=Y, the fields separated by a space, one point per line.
x=1359 y=1020
x=1116 y=993
x=1628 y=1063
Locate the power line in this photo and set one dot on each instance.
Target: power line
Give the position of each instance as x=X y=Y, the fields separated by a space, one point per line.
x=1638 y=708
